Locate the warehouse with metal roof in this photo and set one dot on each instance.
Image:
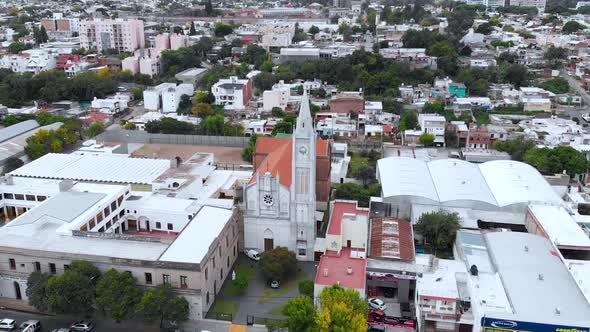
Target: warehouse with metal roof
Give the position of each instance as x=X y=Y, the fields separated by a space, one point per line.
x=501 y=185
x=95 y=168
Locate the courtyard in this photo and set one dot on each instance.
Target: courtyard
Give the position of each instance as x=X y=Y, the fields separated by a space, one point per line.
x=258 y=299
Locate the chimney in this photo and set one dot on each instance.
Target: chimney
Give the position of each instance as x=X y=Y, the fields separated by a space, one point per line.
x=349 y=270
x=325 y=272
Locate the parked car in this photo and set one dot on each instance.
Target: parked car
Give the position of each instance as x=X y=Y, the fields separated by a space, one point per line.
x=253 y=254
x=376 y=328
x=377 y=304
x=62 y=329
x=275 y=284
x=30 y=325
x=82 y=325
x=7 y=324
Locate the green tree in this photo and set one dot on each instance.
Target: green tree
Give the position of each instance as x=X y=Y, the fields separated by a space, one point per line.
x=364 y=173
x=439 y=229
x=278 y=263
x=306 y=288
x=11 y=164
x=277 y=112
x=248 y=150
x=408 y=120
x=300 y=313
x=73 y=291
x=313 y=30
x=356 y=192
x=213 y=124
x=557 y=160
x=426 y=139
x=203 y=97
x=516 y=74
x=163 y=304
x=241 y=282
x=137 y=93
x=341 y=309
x=37 y=290
x=17 y=47
x=117 y=294
x=556 y=85
x=434 y=107
x=130 y=126
x=555 y=55
x=95 y=129
x=266 y=66
x=484 y=28
x=517 y=147
x=203 y=110
x=572 y=26
x=255 y=55
x=222 y=30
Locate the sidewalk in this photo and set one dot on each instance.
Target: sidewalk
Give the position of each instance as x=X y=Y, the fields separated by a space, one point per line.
x=219 y=326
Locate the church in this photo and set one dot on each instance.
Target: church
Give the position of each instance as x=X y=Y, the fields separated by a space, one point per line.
x=291 y=177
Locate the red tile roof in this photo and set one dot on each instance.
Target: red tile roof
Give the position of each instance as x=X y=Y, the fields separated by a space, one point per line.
x=338 y=211
x=392 y=238
x=279 y=157
x=337 y=270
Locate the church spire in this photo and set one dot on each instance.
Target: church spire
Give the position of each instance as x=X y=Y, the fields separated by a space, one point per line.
x=304 y=120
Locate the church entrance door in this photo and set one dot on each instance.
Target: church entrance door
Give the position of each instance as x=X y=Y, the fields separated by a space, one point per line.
x=268 y=244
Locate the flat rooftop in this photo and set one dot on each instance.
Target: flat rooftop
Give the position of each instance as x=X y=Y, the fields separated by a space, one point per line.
x=193 y=242
x=560 y=227
x=95 y=168
x=536 y=281
x=337 y=266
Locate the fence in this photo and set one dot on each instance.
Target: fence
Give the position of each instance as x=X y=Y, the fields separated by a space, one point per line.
x=134 y=136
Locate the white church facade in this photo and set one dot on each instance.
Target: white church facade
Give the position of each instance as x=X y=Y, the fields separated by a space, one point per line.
x=280 y=199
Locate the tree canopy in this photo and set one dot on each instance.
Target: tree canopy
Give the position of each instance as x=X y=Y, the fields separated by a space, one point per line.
x=118 y=294
x=439 y=229
x=556 y=160
x=278 y=263
x=162 y=303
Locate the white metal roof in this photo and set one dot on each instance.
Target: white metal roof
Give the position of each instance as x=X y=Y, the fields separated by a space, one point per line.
x=514 y=182
x=99 y=168
x=406 y=176
x=560 y=226
x=456 y=179
x=193 y=243
x=499 y=183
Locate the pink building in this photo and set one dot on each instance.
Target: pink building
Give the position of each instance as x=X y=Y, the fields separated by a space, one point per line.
x=178 y=40
x=344 y=260
x=118 y=34
x=162 y=42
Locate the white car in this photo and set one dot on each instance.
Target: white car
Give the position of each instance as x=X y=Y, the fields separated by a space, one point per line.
x=7 y=324
x=253 y=254
x=377 y=304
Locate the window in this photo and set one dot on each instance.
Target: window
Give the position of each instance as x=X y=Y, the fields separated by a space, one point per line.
x=227 y=241
x=166 y=278
x=221 y=274
x=189 y=217
x=120 y=200
x=108 y=224
x=219 y=251
x=158 y=225
x=234 y=250
x=301 y=252
x=101 y=230
x=12 y=263
x=170 y=226
x=122 y=213
x=214 y=262
x=92 y=224
x=183 y=283
x=106 y=211
x=52 y=269
x=207 y=297
x=30 y=197
x=99 y=217
x=66 y=266
x=206 y=273
x=227 y=261
x=113 y=206
x=8 y=196
x=148 y=278
x=19 y=197
x=37 y=267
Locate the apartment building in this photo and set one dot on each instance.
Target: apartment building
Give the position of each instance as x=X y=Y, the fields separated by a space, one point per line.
x=232 y=93
x=112 y=34
x=166 y=97
x=31 y=61
x=60 y=27
x=277 y=97
x=433 y=124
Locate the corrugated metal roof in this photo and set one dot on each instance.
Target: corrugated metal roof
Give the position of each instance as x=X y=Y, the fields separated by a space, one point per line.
x=17 y=129
x=101 y=168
